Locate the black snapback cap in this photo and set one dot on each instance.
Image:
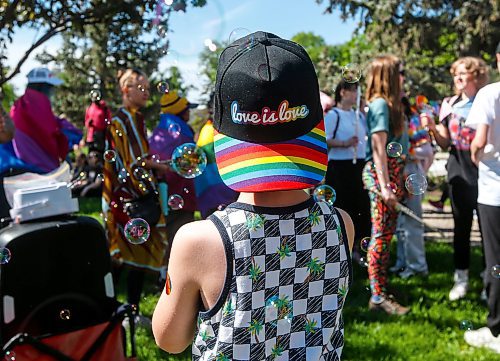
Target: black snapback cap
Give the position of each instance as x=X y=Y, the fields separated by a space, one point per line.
x=261 y=74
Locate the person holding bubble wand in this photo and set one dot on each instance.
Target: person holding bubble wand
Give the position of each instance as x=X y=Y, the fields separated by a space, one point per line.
x=128 y=176
x=383 y=172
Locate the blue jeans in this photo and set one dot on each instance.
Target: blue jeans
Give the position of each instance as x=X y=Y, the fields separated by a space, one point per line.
x=410 y=233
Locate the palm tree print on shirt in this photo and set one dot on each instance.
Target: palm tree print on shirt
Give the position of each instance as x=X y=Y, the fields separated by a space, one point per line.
x=228 y=307
x=314 y=218
x=277 y=350
x=254 y=329
x=254 y=271
x=221 y=357
x=311 y=326
x=315 y=267
x=255 y=221
x=284 y=250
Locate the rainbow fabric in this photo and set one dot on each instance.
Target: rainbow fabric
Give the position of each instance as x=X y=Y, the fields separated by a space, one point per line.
x=299 y=163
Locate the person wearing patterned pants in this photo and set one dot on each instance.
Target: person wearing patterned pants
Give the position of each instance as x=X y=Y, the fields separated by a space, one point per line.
x=383 y=220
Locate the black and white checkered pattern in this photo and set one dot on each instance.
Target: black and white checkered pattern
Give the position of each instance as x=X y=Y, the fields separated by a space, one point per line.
x=291 y=273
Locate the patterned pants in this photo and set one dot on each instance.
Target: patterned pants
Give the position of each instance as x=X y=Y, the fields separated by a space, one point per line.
x=383 y=222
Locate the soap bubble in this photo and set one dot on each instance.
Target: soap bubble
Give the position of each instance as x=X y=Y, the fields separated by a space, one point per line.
x=495 y=271
x=169 y=2
x=65 y=315
x=141 y=173
x=137 y=231
x=188 y=160
x=365 y=243
x=163 y=87
x=161 y=30
x=466 y=325
x=5 y=255
x=363 y=262
x=392 y=187
x=351 y=72
x=239 y=33
x=174 y=129
x=325 y=193
x=175 y=202
x=394 y=149
x=10 y=356
x=416 y=184
x=122 y=175
x=95 y=95
x=279 y=309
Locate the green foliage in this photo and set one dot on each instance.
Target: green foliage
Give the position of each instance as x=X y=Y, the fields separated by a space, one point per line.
x=427 y=35
x=430 y=332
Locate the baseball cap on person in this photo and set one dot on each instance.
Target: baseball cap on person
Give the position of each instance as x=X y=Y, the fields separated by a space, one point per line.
x=43 y=75
x=173 y=103
x=269 y=130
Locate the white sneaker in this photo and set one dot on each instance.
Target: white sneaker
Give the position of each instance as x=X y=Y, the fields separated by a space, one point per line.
x=483 y=338
x=461 y=285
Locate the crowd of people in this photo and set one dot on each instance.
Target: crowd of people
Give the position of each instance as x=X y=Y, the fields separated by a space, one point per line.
x=264 y=147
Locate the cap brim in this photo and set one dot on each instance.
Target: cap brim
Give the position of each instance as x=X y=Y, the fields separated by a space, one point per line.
x=55 y=81
x=298 y=163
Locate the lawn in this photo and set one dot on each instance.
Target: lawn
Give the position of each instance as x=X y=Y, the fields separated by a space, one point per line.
x=431 y=332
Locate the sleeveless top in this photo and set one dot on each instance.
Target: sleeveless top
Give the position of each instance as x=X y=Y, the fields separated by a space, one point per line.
x=289 y=270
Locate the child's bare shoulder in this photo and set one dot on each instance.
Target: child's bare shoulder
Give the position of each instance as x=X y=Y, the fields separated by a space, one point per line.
x=199 y=234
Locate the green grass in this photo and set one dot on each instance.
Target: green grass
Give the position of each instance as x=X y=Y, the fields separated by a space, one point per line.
x=431 y=332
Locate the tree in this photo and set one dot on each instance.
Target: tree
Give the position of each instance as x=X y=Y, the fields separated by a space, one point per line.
x=90 y=59
x=54 y=17
x=427 y=34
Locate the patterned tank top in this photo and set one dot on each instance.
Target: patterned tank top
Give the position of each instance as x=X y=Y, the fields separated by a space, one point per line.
x=289 y=270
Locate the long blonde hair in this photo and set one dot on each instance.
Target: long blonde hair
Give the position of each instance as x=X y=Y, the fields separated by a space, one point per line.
x=383 y=82
x=475 y=66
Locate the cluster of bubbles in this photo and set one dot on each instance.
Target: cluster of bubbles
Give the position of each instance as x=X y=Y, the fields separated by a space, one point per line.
x=416 y=184
x=5 y=255
x=10 y=356
x=175 y=202
x=351 y=73
x=188 y=160
x=325 y=193
x=394 y=150
x=65 y=315
x=137 y=231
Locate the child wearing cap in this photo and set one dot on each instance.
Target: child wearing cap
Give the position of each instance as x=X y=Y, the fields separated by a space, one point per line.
x=267 y=276
x=173 y=131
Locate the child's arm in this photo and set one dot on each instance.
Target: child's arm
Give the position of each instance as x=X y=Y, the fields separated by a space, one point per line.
x=196 y=270
x=349 y=227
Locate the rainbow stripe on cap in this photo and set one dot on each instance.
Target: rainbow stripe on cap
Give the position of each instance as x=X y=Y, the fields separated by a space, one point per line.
x=297 y=163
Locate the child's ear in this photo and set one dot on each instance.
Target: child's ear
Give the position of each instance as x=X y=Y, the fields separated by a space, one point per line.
x=125 y=90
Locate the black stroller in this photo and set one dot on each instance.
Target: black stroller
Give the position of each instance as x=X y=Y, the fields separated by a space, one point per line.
x=57 y=299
